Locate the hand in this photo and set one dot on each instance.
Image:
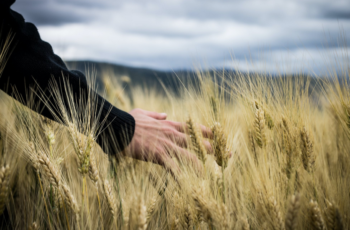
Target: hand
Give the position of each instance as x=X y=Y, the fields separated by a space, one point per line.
x=157 y=139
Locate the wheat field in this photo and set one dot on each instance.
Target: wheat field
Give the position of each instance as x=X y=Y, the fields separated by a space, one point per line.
x=281 y=159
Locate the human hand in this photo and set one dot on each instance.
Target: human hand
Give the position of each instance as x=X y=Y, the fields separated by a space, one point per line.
x=157 y=139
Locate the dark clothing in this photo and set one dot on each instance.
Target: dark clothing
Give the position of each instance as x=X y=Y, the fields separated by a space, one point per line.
x=32 y=63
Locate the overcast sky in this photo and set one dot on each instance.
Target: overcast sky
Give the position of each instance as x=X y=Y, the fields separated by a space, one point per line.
x=182 y=34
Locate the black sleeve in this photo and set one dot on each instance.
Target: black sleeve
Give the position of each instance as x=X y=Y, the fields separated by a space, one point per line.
x=33 y=63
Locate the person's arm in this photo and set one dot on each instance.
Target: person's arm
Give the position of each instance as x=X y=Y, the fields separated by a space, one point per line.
x=141 y=134
x=32 y=63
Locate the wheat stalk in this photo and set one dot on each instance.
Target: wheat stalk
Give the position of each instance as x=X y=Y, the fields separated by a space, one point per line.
x=291 y=222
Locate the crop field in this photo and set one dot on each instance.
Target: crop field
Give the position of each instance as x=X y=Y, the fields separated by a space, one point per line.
x=280 y=160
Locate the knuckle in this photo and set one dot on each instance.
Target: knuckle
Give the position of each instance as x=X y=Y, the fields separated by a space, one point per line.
x=168 y=130
x=168 y=123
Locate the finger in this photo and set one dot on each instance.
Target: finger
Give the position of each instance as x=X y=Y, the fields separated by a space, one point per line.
x=155 y=115
x=178 y=138
x=162 y=158
x=207 y=133
x=179 y=126
x=182 y=127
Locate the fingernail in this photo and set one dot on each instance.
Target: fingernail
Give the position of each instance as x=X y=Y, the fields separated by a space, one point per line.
x=164 y=114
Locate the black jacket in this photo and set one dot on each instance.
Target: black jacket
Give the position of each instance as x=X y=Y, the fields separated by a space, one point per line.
x=33 y=63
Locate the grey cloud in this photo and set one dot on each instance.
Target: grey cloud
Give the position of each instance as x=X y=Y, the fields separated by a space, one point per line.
x=50 y=12
x=148 y=30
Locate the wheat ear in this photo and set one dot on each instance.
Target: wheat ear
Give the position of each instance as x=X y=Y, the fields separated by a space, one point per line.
x=268 y=120
x=244 y=223
x=93 y=171
x=307 y=155
x=187 y=218
x=252 y=145
x=315 y=218
x=333 y=218
x=202 y=205
x=112 y=203
x=291 y=222
x=220 y=145
x=50 y=171
x=4 y=185
x=138 y=214
x=70 y=199
x=259 y=126
x=151 y=208
x=196 y=140
x=276 y=214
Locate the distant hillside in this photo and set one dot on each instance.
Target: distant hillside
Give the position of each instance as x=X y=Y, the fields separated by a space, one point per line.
x=138 y=76
x=151 y=77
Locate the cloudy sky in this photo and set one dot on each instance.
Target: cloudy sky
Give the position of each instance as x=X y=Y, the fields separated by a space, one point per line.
x=267 y=35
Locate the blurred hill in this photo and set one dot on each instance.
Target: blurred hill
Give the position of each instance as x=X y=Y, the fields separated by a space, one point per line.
x=138 y=76
x=156 y=79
